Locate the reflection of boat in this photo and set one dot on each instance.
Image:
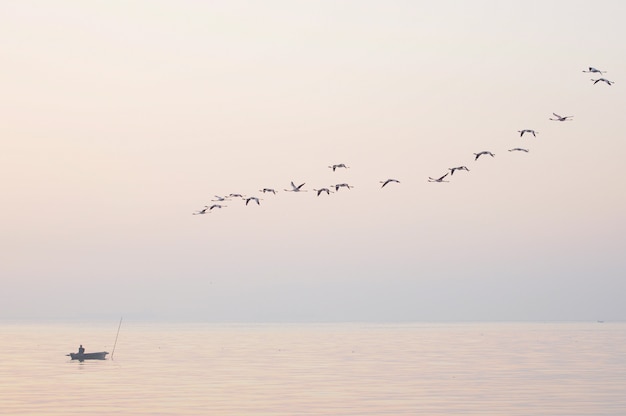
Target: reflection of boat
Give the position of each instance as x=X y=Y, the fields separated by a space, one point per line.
x=88 y=355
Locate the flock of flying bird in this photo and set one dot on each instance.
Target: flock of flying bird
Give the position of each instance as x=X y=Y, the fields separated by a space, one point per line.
x=217 y=202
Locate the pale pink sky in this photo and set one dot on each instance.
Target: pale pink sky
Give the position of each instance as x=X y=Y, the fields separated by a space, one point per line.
x=120 y=119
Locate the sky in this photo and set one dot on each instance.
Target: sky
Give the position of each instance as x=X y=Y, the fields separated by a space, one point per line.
x=122 y=118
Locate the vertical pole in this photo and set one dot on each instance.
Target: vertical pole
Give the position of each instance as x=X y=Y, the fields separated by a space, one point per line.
x=118 y=334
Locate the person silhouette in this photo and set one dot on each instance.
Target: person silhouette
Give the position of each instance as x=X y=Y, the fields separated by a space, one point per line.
x=81 y=350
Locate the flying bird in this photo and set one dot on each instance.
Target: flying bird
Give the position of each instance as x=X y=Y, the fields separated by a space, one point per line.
x=340 y=165
x=319 y=191
x=265 y=190
x=253 y=198
x=236 y=196
x=388 y=181
x=561 y=118
x=342 y=185
x=202 y=211
x=533 y=132
x=216 y=206
x=595 y=81
x=220 y=198
x=438 y=179
x=295 y=188
x=452 y=170
x=594 y=70
x=518 y=149
x=484 y=152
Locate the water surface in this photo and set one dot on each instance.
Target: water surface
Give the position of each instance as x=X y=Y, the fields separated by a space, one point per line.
x=315 y=369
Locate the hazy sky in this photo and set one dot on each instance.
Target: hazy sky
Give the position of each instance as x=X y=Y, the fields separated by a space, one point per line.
x=119 y=119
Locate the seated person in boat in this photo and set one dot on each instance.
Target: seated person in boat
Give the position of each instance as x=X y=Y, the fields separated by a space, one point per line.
x=81 y=350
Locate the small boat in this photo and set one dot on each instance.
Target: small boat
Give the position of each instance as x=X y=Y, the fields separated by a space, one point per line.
x=88 y=355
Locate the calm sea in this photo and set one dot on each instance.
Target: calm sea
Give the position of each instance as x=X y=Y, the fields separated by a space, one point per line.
x=315 y=369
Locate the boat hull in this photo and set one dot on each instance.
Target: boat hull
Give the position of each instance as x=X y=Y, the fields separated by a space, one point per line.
x=88 y=356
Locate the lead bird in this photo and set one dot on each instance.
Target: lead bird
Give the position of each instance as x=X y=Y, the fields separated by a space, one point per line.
x=561 y=118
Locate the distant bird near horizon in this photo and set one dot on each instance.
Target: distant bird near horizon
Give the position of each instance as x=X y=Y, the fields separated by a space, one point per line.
x=202 y=211
x=319 y=191
x=595 y=81
x=452 y=170
x=342 y=185
x=253 y=198
x=340 y=165
x=385 y=182
x=561 y=118
x=531 y=131
x=484 y=152
x=518 y=149
x=440 y=179
x=266 y=190
x=295 y=188
x=594 y=70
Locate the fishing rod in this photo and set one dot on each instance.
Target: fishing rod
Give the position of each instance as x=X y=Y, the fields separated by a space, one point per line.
x=118 y=334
